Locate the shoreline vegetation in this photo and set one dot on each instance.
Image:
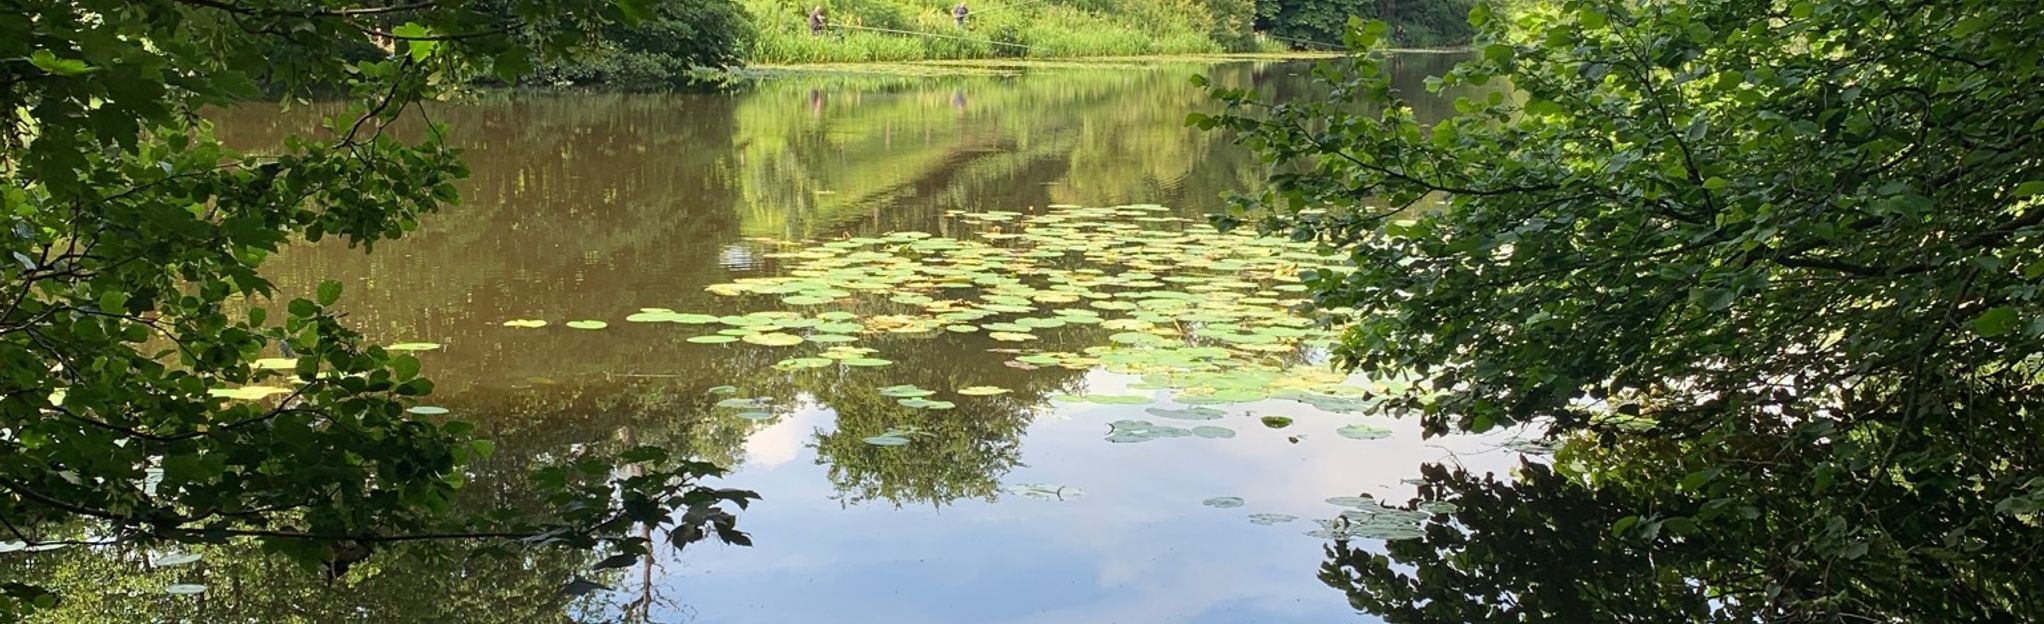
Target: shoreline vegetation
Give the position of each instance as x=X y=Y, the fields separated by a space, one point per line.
x=1002 y=66
x=684 y=43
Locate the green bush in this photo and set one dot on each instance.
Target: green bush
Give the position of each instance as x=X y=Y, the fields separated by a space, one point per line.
x=1412 y=22
x=665 y=50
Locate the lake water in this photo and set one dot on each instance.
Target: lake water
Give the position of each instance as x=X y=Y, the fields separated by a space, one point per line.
x=1005 y=508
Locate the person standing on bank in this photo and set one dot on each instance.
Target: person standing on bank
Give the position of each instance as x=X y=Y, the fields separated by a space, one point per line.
x=959 y=12
x=816 y=21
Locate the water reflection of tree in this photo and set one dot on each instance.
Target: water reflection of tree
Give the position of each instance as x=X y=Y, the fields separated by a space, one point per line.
x=243 y=584
x=1604 y=535
x=960 y=453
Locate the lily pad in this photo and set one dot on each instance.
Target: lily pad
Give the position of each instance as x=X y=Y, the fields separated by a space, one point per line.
x=886 y=440
x=1189 y=413
x=176 y=559
x=1223 y=502
x=1045 y=491
x=982 y=390
x=185 y=589
x=1364 y=432
x=427 y=410
x=277 y=363
x=414 y=346
x=1271 y=518
x=905 y=392
x=586 y=324
x=525 y=323
x=1218 y=433
x=247 y=393
x=713 y=339
x=866 y=362
x=775 y=339
x=1133 y=431
x=1276 y=422
x=749 y=404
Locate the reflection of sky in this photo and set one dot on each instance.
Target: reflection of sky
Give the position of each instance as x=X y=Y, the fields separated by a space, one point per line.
x=1137 y=547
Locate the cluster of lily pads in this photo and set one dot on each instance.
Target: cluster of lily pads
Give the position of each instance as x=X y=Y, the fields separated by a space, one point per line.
x=1210 y=318
x=1361 y=518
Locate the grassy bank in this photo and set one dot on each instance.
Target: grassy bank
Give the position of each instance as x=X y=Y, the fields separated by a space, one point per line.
x=916 y=30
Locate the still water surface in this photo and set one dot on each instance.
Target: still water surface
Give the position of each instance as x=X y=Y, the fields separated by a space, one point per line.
x=593 y=206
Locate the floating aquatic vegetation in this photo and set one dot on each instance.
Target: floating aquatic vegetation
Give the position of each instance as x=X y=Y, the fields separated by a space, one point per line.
x=1532 y=446
x=1350 y=501
x=1203 y=318
x=723 y=390
x=1373 y=522
x=1439 y=507
x=1364 y=432
x=1132 y=431
x=247 y=393
x=1046 y=491
x=1187 y=413
x=1104 y=399
x=1223 y=502
x=525 y=323
x=277 y=363
x=174 y=559
x=749 y=404
x=414 y=346
x=906 y=392
x=586 y=324
x=185 y=589
x=427 y=410
x=894 y=437
x=1271 y=518
x=774 y=339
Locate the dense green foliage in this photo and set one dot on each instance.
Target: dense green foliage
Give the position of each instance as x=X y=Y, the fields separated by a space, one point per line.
x=907 y=30
x=924 y=29
x=1767 y=271
x=149 y=389
x=675 y=42
x=1320 y=24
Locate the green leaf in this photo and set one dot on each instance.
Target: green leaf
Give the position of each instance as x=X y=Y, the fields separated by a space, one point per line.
x=1996 y=321
x=329 y=292
x=414 y=36
x=1592 y=18
x=47 y=61
x=405 y=367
